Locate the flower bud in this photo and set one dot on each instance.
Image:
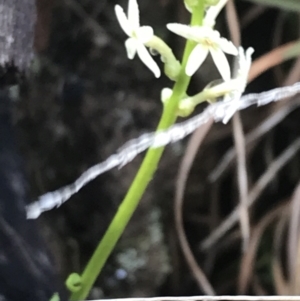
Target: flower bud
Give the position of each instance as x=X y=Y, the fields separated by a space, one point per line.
x=190 y=4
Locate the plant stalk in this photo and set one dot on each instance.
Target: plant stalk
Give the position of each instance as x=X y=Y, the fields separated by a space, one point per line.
x=142 y=179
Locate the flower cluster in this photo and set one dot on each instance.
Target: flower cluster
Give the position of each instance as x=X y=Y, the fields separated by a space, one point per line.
x=206 y=40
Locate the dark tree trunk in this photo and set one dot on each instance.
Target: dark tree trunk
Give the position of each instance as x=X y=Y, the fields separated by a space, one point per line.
x=18 y=18
x=26 y=270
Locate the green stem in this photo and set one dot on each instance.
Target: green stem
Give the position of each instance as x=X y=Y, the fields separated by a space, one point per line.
x=187 y=105
x=171 y=64
x=142 y=178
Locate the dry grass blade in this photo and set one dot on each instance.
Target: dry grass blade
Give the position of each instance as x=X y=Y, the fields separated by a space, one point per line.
x=248 y=259
x=295 y=285
x=259 y=186
x=185 y=166
x=279 y=281
x=242 y=178
x=293 y=236
x=281 y=286
x=233 y=23
x=238 y=134
x=277 y=40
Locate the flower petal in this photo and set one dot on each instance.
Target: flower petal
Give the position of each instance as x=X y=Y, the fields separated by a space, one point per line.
x=221 y=62
x=147 y=59
x=245 y=59
x=210 y=34
x=144 y=34
x=227 y=46
x=196 y=58
x=133 y=14
x=185 y=31
x=131 y=47
x=123 y=21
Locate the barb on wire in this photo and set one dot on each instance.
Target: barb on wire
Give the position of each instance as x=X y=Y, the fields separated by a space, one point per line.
x=220 y=111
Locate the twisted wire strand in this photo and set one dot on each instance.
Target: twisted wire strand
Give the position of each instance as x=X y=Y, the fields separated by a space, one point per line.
x=220 y=111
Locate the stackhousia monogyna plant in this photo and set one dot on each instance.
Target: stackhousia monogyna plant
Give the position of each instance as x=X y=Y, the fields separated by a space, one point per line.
x=201 y=40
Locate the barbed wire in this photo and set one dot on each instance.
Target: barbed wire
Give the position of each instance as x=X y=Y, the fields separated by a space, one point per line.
x=220 y=111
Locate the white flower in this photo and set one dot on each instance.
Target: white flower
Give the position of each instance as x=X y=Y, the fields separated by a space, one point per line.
x=138 y=35
x=239 y=82
x=208 y=41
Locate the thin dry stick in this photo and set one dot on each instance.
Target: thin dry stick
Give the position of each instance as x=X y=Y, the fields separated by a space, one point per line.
x=293 y=234
x=281 y=286
x=233 y=23
x=185 y=166
x=293 y=239
x=279 y=283
x=239 y=138
x=276 y=41
x=247 y=262
x=294 y=73
x=295 y=287
x=242 y=178
x=260 y=185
